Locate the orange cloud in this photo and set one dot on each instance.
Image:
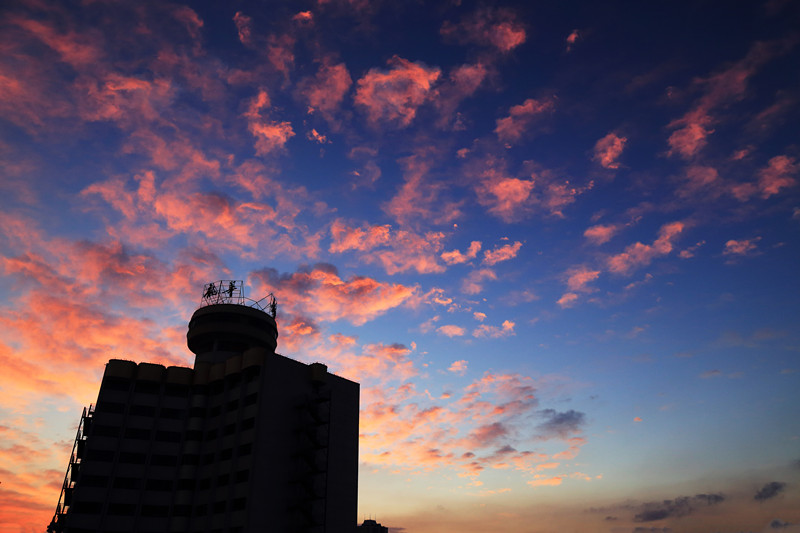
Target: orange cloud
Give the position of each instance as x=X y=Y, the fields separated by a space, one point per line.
x=459 y=367
x=271 y=136
x=506 y=197
x=568 y=299
x=455 y=257
x=729 y=85
x=345 y=238
x=777 y=175
x=244 y=28
x=392 y=97
x=741 y=247
x=501 y=253
x=638 y=254
x=579 y=277
x=485 y=330
x=325 y=91
x=320 y=293
x=601 y=233
x=473 y=283
x=451 y=330
x=608 y=149
x=520 y=118
x=419 y=198
x=498 y=28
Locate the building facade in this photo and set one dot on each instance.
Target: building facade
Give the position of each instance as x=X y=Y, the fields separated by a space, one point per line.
x=247 y=440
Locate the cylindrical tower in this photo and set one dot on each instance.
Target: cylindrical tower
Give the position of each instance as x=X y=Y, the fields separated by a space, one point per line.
x=224 y=329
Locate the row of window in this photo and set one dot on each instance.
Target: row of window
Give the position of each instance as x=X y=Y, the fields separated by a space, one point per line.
x=162 y=485
x=129 y=509
x=102 y=430
x=168 y=460
x=148 y=387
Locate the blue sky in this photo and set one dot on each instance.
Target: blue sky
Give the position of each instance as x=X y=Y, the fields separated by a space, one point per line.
x=556 y=243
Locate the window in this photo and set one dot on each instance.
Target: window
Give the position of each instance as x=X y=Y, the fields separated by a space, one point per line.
x=220 y=507
x=110 y=407
x=211 y=434
x=155 y=510
x=198 y=411
x=190 y=459
x=148 y=387
x=223 y=479
x=159 y=484
x=242 y=475
x=214 y=411
x=204 y=483
x=173 y=414
x=101 y=430
x=115 y=383
x=245 y=449
x=186 y=484
x=137 y=433
x=142 y=410
x=208 y=458
x=250 y=399
x=227 y=453
x=177 y=390
x=91 y=508
x=249 y=423
x=168 y=436
x=93 y=481
x=230 y=429
x=100 y=455
x=127 y=483
x=121 y=509
x=132 y=458
x=239 y=504
x=201 y=510
x=181 y=510
x=232 y=405
x=163 y=460
x=194 y=434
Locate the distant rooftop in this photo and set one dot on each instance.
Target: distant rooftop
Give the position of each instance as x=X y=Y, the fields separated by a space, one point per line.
x=231 y=291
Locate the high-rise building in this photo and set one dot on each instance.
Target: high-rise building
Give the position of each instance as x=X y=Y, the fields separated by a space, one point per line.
x=247 y=440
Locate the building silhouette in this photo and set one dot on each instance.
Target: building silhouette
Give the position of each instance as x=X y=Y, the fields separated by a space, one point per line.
x=247 y=440
x=371 y=526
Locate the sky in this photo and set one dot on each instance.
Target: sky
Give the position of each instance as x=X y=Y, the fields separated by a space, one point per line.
x=555 y=242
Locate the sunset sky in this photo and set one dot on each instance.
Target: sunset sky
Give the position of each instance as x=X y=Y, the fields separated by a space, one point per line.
x=557 y=243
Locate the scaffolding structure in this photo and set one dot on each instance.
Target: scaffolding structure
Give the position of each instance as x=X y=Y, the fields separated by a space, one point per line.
x=73 y=469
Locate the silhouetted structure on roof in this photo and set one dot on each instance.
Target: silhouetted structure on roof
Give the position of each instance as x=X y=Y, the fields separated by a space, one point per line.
x=371 y=526
x=247 y=440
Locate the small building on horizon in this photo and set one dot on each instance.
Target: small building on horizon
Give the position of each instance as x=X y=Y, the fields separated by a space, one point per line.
x=247 y=440
x=371 y=526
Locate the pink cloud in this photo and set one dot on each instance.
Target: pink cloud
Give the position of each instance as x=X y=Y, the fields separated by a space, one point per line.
x=420 y=197
x=408 y=251
x=458 y=367
x=567 y=300
x=345 y=238
x=601 y=233
x=691 y=131
x=462 y=82
x=271 y=136
x=777 y=175
x=391 y=97
x=638 y=254
x=473 y=283
x=455 y=257
x=487 y=331
x=578 y=278
x=501 y=253
x=608 y=149
x=451 y=330
x=506 y=197
x=572 y=38
x=320 y=293
x=304 y=17
x=498 y=28
x=325 y=91
x=480 y=317
x=521 y=118
x=244 y=28
x=700 y=180
x=546 y=481
x=280 y=53
x=741 y=247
